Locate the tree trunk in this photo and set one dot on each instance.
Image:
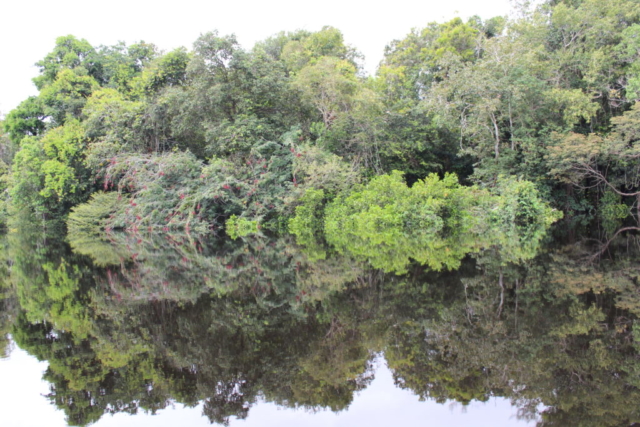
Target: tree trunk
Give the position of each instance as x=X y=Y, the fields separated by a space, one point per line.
x=497 y=134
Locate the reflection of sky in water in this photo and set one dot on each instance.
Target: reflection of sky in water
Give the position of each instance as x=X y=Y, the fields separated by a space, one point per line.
x=381 y=404
x=21 y=393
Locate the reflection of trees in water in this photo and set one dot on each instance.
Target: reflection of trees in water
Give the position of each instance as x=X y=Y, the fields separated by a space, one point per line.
x=231 y=323
x=8 y=308
x=558 y=331
x=8 y=302
x=246 y=341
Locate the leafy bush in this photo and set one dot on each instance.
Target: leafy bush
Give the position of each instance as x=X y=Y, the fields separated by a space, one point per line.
x=435 y=222
x=178 y=191
x=49 y=175
x=240 y=227
x=389 y=223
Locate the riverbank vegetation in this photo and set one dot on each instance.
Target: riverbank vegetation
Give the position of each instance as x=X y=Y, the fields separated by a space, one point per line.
x=505 y=117
x=402 y=214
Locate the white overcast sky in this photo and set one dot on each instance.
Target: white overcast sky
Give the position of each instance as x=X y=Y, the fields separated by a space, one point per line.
x=28 y=28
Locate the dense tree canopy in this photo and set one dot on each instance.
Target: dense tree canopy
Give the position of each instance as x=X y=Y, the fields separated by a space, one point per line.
x=481 y=98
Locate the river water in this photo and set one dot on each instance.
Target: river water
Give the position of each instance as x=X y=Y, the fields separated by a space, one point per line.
x=380 y=404
x=159 y=330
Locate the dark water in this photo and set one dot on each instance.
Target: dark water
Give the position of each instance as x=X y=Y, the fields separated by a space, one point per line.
x=185 y=331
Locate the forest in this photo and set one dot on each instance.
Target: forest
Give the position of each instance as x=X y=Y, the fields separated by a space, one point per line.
x=224 y=226
x=465 y=126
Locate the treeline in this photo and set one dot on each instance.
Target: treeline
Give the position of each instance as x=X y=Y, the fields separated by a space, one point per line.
x=189 y=139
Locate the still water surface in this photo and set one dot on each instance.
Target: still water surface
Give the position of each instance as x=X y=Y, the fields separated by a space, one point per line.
x=381 y=404
x=154 y=330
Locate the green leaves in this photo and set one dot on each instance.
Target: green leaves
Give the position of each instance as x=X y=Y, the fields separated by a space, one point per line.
x=69 y=53
x=27 y=119
x=388 y=223
x=240 y=227
x=67 y=95
x=435 y=222
x=329 y=85
x=48 y=174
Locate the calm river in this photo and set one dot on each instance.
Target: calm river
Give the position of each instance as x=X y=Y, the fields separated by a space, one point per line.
x=165 y=330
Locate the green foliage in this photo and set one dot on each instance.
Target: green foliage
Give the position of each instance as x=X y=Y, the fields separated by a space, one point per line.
x=612 y=211
x=26 y=173
x=121 y=65
x=308 y=222
x=481 y=99
x=521 y=206
x=5 y=182
x=160 y=319
x=416 y=56
x=110 y=118
x=27 y=119
x=236 y=138
x=48 y=173
x=416 y=141
x=178 y=191
x=316 y=168
x=518 y=219
x=167 y=70
x=329 y=85
x=435 y=222
x=306 y=48
x=69 y=53
x=175 y=146
x=113 y=66
x=388 y=223
x=92 y=216
x=607 y=163
x=63 y=149
x=66 y=96
x=240 y=227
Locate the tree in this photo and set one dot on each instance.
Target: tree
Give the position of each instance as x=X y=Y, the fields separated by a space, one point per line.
x=27 y=119
x=65 y=97
x=303 y=49
x=68 y=53
x=48 y=173
x=609 y=162
x=166 y=70
x=329 y=85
